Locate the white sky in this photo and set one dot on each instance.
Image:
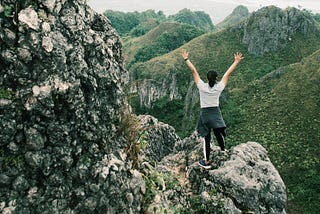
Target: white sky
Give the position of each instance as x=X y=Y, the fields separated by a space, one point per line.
x=217 y=9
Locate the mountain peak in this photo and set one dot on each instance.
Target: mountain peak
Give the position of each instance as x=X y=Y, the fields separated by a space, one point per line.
x=240 y=11
x=238 y=14
x=271 y=28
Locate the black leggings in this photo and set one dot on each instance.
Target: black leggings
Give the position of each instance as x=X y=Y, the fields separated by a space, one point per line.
x=220 y=134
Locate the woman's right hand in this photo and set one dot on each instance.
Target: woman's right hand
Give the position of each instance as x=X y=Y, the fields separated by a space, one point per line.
x=184 y=54
x=238 y=57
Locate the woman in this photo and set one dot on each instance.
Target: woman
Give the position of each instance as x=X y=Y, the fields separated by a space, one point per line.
x=210 y=114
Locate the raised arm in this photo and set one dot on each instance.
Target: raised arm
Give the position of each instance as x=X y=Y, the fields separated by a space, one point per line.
x=194 y=71
x=237 y=58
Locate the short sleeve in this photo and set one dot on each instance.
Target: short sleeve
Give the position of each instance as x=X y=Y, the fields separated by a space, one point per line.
x=201 y=85
x=220 y=86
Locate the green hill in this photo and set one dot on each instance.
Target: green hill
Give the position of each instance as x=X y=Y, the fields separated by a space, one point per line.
x=136 y=22
x=198 y=18
x=272 y=98
x=162 y=39
x=282 y=112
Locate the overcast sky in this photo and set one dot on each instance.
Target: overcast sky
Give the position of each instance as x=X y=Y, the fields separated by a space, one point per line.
x=217 y=9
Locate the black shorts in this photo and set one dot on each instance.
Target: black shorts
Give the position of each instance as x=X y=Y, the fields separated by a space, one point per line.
x=210 y=118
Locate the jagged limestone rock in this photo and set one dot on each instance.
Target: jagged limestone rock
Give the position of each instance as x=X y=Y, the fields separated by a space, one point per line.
x=62 y=68
x=242 y=179
x=150 y=90
x=270 y=28
x=160 y=138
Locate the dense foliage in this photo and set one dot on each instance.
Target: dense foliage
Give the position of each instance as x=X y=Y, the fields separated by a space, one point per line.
x=198 y=18
x=138 y=23
x=167 y=41
x=317 y=17
x=126 y=22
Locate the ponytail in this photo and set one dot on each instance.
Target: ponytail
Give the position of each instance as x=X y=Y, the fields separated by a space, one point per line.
x=212 y=78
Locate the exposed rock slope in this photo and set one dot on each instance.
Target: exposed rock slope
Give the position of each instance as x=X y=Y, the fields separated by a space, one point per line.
x=61 y=67
x=270 y=28
x=242 y=179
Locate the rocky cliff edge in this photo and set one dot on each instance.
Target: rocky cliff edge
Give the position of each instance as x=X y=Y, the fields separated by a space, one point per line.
x=241 y=180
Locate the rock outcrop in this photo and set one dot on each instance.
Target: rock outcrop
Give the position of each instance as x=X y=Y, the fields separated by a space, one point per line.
x=61 y=94
x=241 y=180
x=238 y=15
x=271 y=28
x=160 y=138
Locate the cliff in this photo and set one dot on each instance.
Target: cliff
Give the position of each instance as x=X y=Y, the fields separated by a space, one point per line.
x=62 y=74
x=68 y=143
x=271 y=29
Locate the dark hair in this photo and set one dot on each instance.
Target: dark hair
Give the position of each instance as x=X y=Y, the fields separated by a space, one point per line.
x=212 y=77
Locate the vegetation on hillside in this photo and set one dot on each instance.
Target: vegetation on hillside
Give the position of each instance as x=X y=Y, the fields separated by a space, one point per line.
x=124 y=23
x=164 y=38
x=272 y=99
x=198 y=18
x=281 y=111
x=135 y=24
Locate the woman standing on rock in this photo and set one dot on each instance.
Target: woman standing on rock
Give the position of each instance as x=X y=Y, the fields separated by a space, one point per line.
x=210 y=114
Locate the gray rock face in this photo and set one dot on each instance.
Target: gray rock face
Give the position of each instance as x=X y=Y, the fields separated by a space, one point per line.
x=240 y=180
x=248 y=178
x=61 y=66
x=150 y=90
x=160 y=138
x=270 y=28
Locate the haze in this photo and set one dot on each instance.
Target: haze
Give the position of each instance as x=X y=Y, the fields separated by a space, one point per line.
x=217 y=9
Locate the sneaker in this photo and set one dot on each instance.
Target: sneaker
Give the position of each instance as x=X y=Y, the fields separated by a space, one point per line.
x=204 y=165
x=224 y=152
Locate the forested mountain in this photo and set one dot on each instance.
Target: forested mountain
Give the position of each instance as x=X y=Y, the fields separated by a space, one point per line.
x=280 y=71
x=162 y=39
x=138 y=23
x=198 y=18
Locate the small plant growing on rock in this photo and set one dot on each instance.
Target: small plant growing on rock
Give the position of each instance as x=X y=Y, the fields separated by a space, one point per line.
x=6 y=94
x=134 y=134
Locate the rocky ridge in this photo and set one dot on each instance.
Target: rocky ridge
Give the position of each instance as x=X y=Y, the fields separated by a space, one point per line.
x=271 y=28
x=241 y=180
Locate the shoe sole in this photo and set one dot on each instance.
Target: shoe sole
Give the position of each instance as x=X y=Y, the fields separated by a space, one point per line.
x=205 y=167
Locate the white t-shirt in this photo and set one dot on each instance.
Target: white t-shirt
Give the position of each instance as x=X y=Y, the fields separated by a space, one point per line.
x=209 y=97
